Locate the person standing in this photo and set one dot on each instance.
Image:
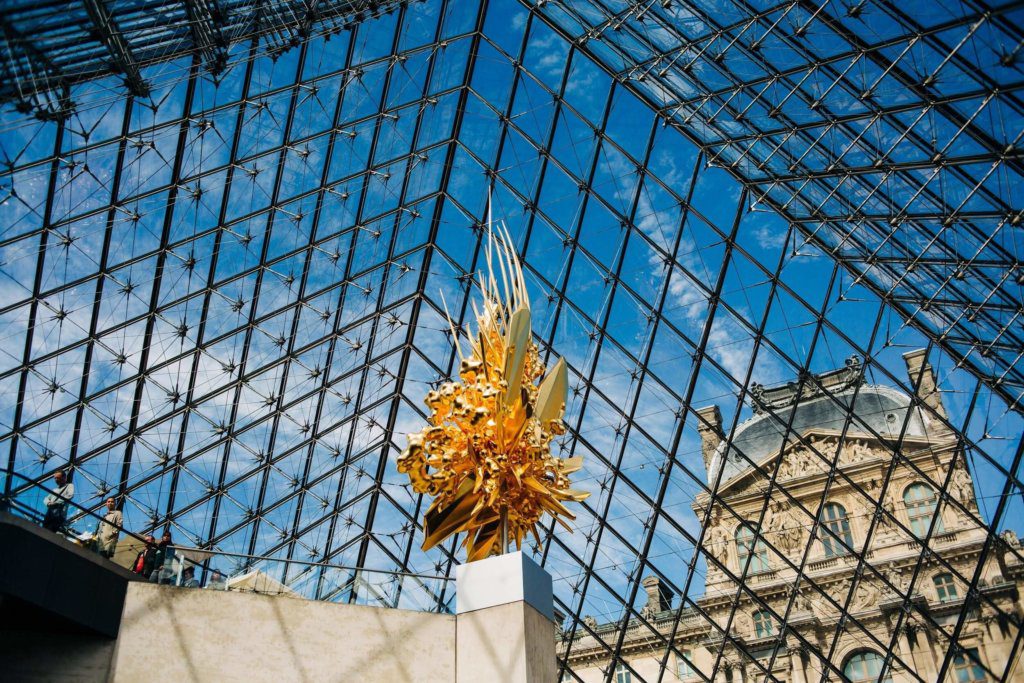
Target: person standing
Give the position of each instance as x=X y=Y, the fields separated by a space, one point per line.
x=163 y=560
x=217 y=582
x=146 y=558
x=188 y=578
x=109 y=530
x=57 y=503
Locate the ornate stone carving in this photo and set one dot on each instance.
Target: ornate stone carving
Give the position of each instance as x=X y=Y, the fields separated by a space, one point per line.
x=839 y=590
x=1009 y=558
x=801 y=601
x=962 y=487
x=717 y=540
x=800 y=462
x=806 y=387
x=742 y=624
x=786 y=469
x=867 y=594
x=894 y=577
x=784 y=528
x=855 y=451
x=887 y=529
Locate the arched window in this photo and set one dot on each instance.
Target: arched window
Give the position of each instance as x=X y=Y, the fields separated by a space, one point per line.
x=865 y=666
x=684 y=666
x=622 y=674
x=945 y=587
x=763 y=624
x=967 y=669
x=746 y=547
x=921 y=501
x=835 y=530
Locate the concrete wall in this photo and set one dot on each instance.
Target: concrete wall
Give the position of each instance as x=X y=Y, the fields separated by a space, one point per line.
x=174 y=634
x=32 y=655
x=511 y=643
x=58 y=578
x=68 y=615
x=60 y=606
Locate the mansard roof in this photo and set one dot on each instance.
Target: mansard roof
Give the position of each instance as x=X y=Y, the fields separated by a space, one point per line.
x=782 y=413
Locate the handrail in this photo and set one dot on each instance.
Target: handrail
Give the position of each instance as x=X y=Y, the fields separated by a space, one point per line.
x=323 y=565
x=7 y=499
x=25 y=510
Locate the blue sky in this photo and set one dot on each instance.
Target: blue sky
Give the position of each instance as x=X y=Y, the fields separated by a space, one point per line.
x=329 y=257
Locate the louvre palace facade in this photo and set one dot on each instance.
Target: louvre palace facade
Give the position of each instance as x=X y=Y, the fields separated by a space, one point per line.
x=855 y=568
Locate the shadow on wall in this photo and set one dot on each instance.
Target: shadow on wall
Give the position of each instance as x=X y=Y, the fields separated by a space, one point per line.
x=181 y=635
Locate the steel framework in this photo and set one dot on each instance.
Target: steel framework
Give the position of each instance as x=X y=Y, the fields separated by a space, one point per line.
x=889 y=134
x=228 y=228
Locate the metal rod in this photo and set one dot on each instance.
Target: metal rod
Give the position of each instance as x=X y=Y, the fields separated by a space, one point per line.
x=504 y=531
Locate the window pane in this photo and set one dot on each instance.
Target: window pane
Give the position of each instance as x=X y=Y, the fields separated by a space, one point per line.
x=864 y=667
x=967 y=669
x=836 y=529
x=945 y=587
x=763 y=624
x=683 y=668
x=920 y=500
x=757 y=551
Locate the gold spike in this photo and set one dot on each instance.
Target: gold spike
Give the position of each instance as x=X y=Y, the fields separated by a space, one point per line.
x=552 y=393
x=451 y=326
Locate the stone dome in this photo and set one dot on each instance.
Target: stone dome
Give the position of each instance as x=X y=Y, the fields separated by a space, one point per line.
x=876 y=410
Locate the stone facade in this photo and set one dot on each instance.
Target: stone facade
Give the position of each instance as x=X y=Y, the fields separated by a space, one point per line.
x=902 y=598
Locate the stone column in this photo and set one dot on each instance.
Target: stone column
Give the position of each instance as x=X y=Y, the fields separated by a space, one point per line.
x=796 y=664
x=735 y=673
x=710 y=430
x=504 y=624
x=923 y=661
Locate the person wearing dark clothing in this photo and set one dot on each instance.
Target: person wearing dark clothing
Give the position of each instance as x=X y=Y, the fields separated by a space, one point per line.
x=146 y=558
x=161 y=571
x=57 y=503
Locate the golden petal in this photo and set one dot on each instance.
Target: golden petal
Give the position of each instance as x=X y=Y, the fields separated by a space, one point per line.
x=575 y=495
x=439 y=523
x=532 y=483
x=570 y=465
x=517 y=343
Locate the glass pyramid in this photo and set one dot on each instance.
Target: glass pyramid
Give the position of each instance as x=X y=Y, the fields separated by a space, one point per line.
x=229 y=236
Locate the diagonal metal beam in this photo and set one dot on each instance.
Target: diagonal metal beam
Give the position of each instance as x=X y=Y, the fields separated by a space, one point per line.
x=208 y=40
x=122 y=59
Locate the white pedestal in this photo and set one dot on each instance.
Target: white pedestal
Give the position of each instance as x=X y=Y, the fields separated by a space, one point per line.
x=504 y=627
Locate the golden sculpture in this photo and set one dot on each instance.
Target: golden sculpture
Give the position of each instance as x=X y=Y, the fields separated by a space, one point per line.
x=485 y=455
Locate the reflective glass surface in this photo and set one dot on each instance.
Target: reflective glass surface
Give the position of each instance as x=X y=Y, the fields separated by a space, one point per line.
x=224 y=299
